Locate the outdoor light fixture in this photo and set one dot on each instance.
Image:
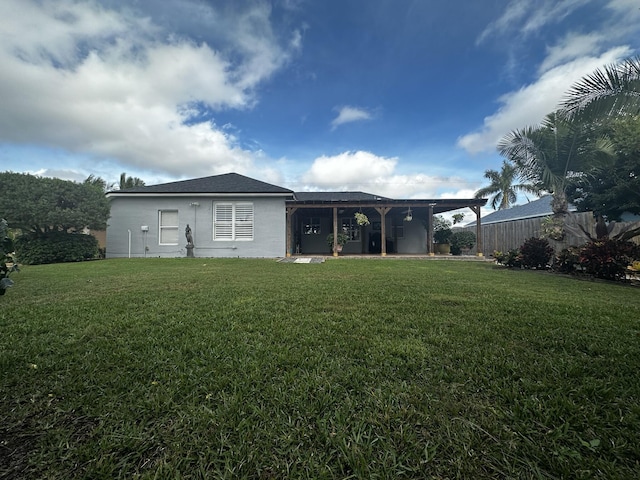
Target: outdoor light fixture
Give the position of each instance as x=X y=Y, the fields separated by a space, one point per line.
x=409 y=216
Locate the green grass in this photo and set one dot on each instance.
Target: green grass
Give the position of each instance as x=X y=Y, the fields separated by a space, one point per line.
x=348 y=369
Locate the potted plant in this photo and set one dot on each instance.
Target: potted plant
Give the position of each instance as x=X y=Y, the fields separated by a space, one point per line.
x=342 y=240
x=361 y=219
x=441 y=235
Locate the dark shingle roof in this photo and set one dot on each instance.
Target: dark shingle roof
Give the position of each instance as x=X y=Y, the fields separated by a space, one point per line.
x=225 y=183
x=336 y=197
x=537 y=208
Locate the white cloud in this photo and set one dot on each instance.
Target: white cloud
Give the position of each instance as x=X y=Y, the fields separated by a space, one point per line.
x=531 y=103
x=514 y=12
x=367 y=172
x=349 y=114
x=348 y=168
x=86 y=79
x=527 y=17
x=571 y=47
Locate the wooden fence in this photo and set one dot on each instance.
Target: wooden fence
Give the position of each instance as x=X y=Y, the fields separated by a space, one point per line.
x=504 y=236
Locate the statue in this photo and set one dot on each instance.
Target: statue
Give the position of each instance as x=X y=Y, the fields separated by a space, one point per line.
x=187 y=233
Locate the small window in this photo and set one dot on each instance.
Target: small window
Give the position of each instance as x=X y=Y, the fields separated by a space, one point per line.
x=233 y=221
x=311 y=226
x=168 y=221
x=351 y=228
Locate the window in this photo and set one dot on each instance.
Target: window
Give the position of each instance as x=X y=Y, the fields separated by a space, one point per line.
x=168 y=221
x=233 y=221
x=351 y=228
x=311 y=226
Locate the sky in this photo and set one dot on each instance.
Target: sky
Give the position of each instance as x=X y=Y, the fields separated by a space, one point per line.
x=400 y=98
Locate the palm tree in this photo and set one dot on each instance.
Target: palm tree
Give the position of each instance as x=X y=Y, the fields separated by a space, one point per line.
x=556 y=153
x=613 y=90
x=96 y=182
x=502 y=186
x=130 y=182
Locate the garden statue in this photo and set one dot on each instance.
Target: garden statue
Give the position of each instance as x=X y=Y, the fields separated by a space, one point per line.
x=187 y=233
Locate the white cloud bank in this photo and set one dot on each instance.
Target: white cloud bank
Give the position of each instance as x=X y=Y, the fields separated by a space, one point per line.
x=530 y=104
x=86 y=79
x=571 y=58
x=367 y=172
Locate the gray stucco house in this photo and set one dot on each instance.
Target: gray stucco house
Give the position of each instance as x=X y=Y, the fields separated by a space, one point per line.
x=231 y=215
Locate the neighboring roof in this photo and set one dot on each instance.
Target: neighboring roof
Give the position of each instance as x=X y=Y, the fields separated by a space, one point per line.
x=225 y=183
x=336 y=197
x=537 y=208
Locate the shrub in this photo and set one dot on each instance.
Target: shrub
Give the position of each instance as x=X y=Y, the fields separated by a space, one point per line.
x=568 y=260
x=460 y=240
x=536 y=253
x=56 y=247
x=608 y=258
x=511 y=259
x=7 y=265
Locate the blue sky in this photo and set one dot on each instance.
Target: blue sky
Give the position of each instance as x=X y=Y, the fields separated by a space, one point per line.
x=400 y=98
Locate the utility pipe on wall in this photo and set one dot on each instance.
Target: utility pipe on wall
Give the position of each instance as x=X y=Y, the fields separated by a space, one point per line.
x=129 y=243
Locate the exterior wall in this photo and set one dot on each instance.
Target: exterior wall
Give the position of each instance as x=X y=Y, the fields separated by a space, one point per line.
x=414 y=240
x=132 y=213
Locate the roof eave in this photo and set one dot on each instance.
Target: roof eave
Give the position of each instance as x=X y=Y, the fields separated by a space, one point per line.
x=194 y=194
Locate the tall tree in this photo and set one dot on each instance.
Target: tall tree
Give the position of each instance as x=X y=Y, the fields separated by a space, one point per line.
x=556 y=154
x=130 y=182
x=502 y=187
x=615 y=190
x=41 y=204
x=96 y=182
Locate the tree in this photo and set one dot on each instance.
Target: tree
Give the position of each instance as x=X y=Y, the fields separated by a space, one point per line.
x=615 y=191
x=130 y=182
x=610 y=94
x=96 y=182
x=7 y=263
x=611 y=91
x=502 y=186
x=40 y=205
x=556 y=154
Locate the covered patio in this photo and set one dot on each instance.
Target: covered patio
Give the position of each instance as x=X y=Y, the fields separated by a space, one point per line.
x=405 y=225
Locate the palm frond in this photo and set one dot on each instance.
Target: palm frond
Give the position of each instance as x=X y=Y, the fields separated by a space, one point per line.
x=614 y=89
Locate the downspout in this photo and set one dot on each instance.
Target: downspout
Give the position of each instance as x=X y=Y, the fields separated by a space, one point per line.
x=129 y=243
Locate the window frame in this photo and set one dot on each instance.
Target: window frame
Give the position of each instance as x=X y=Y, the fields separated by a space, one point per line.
x=314 y=224
x=350 y=227
x=165 y=228
x=240 y=223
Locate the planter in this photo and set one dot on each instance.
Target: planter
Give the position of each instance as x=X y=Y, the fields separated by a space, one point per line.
x=442 y=248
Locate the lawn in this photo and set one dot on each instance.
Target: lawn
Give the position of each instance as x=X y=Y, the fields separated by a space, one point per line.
x=202 y=368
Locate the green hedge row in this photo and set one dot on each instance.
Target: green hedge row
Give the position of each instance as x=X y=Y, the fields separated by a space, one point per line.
x=55 y=247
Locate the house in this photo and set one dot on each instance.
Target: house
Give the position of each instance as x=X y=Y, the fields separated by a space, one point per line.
x=539 y=208
x=231 y=215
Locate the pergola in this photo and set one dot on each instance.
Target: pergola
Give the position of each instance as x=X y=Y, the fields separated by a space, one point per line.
x=383 y=206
